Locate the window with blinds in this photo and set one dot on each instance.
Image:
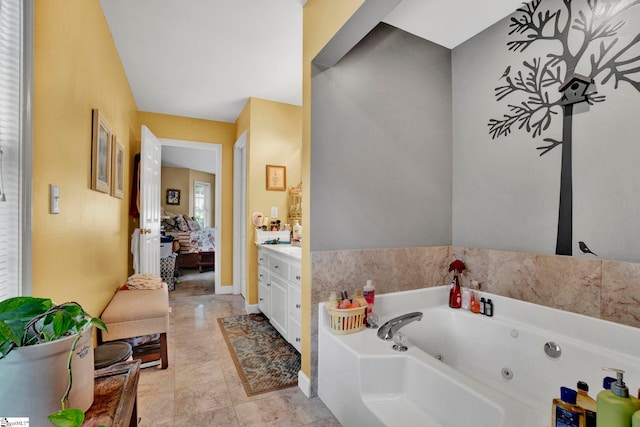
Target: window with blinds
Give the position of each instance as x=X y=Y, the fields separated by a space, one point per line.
x=11 y=93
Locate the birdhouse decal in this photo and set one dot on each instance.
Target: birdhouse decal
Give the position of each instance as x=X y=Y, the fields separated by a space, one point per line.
x=575 y=89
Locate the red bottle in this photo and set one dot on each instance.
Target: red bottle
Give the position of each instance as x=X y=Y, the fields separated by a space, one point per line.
x=455 y=294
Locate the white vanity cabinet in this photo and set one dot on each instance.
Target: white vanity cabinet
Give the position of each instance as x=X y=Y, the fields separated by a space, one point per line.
x=279 y=294
x=264 y=287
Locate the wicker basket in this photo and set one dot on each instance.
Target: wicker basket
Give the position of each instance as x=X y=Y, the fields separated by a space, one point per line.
x=344 y=321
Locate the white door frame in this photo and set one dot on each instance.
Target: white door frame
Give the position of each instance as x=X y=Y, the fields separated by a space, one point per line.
x=240 y=216
x=217 y=148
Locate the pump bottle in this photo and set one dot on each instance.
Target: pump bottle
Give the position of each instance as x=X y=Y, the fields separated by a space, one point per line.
x=565 y=412
x=587 y=403
x=615 y=407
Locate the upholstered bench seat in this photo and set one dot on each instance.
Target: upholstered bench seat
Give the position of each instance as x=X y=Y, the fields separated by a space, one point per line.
x=134 y=313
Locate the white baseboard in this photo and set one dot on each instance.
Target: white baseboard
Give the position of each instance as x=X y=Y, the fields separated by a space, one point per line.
x=222 y=290
x=304 y=383
x=251 y=308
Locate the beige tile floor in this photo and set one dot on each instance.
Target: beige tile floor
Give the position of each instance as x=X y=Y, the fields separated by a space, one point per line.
x=201 y=386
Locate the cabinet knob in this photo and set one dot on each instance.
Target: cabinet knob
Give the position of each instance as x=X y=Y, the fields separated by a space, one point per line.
x=268 y=284
x=261 y=299
x=297 y=305
x=298 y=339
x=276 y=266
x=261 y=275
x=297 y=277
x=260 y=259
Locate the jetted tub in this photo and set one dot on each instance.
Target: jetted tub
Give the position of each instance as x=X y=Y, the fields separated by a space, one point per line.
x=465 y=369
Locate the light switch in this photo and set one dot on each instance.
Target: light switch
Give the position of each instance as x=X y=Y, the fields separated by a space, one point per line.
x=274 y=212
x=54 y=199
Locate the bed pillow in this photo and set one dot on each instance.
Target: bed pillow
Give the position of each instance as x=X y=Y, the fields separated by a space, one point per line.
x=181 y=223
x=192 y=223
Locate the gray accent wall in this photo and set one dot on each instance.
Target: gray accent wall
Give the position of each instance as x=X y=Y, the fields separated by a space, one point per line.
x=381 y=146
x=505 y=195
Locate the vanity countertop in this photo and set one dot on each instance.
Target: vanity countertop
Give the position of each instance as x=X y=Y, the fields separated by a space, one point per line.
x=292 y=251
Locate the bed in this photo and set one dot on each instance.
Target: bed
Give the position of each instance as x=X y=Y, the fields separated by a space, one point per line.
x=194 y=245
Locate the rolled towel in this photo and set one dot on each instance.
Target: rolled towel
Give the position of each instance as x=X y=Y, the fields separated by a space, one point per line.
x=144 y=281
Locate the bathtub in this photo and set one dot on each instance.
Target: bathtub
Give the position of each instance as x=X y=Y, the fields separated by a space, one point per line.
x=464 y=369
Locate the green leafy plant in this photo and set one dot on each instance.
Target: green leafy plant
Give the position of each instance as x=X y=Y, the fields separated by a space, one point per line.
x=26 y=321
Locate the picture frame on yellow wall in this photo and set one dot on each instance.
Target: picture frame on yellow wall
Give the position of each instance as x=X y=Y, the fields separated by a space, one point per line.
x=173 y=197
x=100 y=153
x=117 y=167
x=276 y=178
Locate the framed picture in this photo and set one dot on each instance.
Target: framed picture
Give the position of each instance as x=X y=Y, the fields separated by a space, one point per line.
x=276 y=178
x=117 y=166
x=100 y=153
x=173 y=197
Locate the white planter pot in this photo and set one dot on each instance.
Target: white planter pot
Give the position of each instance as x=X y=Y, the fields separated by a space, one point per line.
x=33 y=379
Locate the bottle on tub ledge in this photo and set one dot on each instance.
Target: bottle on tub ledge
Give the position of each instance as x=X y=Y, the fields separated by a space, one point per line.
x=615 y=408
x=565 y=412
x=455 y=293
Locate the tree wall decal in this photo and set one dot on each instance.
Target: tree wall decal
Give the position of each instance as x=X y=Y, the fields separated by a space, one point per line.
x=581 y=35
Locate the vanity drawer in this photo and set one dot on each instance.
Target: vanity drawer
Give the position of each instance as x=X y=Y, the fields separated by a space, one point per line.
x=279 y=267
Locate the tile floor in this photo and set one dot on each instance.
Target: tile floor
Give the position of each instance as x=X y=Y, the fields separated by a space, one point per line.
x=201 y=387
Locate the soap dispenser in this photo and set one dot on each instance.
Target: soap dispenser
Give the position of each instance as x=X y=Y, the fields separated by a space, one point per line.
x=615 y=407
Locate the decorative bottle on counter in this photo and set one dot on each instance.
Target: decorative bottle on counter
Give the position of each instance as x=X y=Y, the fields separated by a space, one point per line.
x=297 y=232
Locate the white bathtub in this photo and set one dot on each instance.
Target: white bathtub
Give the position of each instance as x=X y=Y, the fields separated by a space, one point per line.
x=466 y=369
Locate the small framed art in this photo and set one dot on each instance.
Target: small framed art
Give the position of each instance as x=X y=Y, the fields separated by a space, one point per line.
x=117 y=166
x=100 y=153
x=276 y=178
x=173 y=197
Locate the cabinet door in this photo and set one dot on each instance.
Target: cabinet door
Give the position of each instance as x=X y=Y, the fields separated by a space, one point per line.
x=264 y=298
x=295 y=303
x=295 y=275
x=295 y=334
x=279 y=305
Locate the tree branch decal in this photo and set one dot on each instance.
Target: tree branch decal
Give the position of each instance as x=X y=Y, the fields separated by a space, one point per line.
x=578 y=32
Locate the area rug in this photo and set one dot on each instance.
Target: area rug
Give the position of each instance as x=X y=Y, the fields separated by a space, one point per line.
x=264 y=359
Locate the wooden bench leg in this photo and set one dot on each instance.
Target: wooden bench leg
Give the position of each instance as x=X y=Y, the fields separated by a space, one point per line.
x=164 y=356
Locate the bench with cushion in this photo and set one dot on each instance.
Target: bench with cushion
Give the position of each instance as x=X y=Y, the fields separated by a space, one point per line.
x=138 y=312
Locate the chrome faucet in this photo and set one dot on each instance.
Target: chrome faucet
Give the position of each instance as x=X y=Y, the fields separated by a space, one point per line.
x=387 y=330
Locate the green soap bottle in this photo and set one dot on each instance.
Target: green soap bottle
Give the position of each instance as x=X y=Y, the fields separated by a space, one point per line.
x=615 y=407
x=635 y=420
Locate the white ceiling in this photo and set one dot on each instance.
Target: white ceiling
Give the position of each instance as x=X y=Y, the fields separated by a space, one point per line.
x=205 y=58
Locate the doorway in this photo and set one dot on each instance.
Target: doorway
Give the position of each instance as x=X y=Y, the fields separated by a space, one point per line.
x=204 y=157
x=240 y=216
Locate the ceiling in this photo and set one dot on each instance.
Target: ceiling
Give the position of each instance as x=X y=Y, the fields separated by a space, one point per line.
x=205 y=58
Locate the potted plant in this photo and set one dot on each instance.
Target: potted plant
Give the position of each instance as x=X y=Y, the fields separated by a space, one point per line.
x=39 y=340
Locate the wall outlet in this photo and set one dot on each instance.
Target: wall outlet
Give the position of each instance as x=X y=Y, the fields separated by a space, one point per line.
x=274 y=212
x=54 y=199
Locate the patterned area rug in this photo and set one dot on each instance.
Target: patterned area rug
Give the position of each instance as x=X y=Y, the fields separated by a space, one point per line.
x=264 y=359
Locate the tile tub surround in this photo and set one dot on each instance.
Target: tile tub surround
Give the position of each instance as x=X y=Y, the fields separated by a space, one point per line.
x=603 y=289
x=391 y=270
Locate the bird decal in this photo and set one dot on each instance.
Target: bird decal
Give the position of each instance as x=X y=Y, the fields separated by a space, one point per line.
x=585 y=249
x=506 y=72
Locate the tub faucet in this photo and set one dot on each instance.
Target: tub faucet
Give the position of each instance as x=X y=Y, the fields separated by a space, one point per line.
x=387 y=330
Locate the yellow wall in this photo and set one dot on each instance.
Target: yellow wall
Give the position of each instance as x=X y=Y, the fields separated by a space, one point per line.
x=183 y=128
x=81 y=253
x=273 y=138
x=321 y=20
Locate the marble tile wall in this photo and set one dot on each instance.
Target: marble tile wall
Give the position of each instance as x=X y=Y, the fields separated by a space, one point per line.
x=603 y=289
